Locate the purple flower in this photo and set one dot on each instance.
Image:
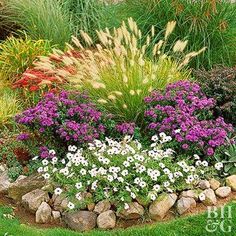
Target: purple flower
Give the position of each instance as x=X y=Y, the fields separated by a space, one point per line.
x=23 y=136
x=125 y=128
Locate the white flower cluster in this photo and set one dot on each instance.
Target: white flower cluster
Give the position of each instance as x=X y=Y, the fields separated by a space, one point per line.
x=121 y=171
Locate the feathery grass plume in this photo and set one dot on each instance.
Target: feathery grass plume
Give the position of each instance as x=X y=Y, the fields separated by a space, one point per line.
x=208 y=23
x=17 y=54
x=120 y=66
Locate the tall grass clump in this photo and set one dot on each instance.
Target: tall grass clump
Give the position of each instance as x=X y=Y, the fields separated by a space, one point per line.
x=41 y=19
x=208 y=23
x=17 y=54
x=9 y=105
x=118 y=75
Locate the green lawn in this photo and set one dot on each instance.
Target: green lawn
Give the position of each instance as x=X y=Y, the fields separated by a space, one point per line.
x=191 y=226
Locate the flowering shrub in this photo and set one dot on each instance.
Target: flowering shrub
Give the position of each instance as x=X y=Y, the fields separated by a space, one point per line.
x=184 y=112
x=121 y=171
x=66 y=118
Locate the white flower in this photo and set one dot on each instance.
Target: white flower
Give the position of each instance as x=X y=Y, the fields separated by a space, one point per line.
x=142 y=184
x=198 y=163
x=83 y=172
x=196 y=157
x=155 y=138
x=219 y=165
x=153 y=197
x=63 y=161
x=126 y=206
x=46 y=176
x=162 y=135
x=52 y=152
x=71 y=205
x=40 y=170
x=166 y=171
x=137 y=180
x=166 y=184
x=202 y=196
x=162 y=165
x=132 y=195
x=45 y=162
x=205 y=163
x=110 y=178
x=54 y=160
x=72 y=148
x=45 y=169
x=156 y=187
x=58 y=191
x=126 y=163
x=177 y=131
x=78 y=196
x=78 y=185
x=124 y=172
x=130 y=159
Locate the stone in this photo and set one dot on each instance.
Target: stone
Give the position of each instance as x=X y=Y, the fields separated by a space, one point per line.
x=210 y=197
x=56 y=215
x=185 y=204
x=25 y=185
x=91 y=206
x=204 y=184
x=43 y=214
x=214 y=184
x=33 y=199
x=81 y=220
x=59 y=203
x=190 y=194
x=135 y=211
x=223 y=192
x=102 y=206
x=4 y=182
x=231 y=182
x=3 y=168
x=106 y=220
x=159 y=208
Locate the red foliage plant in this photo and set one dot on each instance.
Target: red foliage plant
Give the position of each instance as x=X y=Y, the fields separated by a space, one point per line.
x=49 y=73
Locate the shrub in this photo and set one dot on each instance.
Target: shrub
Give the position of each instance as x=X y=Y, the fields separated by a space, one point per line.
x=64 y=119
x=17 y=54
x=220 y=84
x=120 y=172
x=184 y=112
x=118 y=75
x=207 y=23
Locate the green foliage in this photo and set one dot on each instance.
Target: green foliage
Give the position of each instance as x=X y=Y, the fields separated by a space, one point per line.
x=41 y=19
x=9 y=105
x=202 y=23
x=17 y=54
x=220 y=84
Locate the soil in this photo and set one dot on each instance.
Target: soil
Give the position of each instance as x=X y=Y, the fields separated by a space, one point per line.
x=25 y=217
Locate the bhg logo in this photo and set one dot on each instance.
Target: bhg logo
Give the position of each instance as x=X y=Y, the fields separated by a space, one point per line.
x=219 y=219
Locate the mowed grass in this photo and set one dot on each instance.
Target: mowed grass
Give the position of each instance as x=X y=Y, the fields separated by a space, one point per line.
x=192 y=225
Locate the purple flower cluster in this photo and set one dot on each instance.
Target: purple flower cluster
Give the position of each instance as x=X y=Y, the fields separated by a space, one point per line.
x=69 y=116
x=184 y=112
x=23 y=137
x=125 y=128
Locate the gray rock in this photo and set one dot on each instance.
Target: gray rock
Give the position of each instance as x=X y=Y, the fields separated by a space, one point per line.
x=81 y=220
x=59 y=202
x=185 y=204
x=215 y=184
x=190 y=194
x=210 y=197
x=4 y=182
x=231 y=182
x=204 y=184
x=160 y=207
x=56 y=215
x=25 y=185
x=135 y=211
x=102 y=206
x=33 y=199
x=223 y=192
x=43 y=214
x=106 y=220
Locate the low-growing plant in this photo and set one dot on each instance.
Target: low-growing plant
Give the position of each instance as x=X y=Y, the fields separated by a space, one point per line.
x=64 y=118
x=17 y=54
x=121 y=172
x=184 y=112
x=220 y=84
x=118 y=75
x=208 y=23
